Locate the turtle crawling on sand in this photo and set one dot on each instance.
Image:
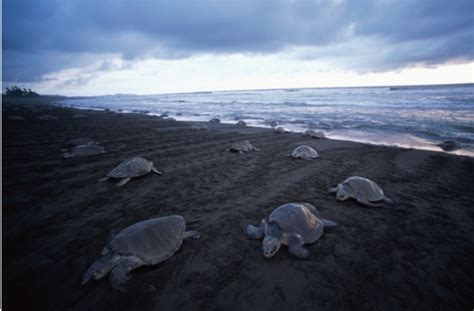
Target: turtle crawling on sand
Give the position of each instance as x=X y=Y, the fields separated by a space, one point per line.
x=199 y=127
x=79 y=116
x=364 y=190
x=131 y=168
x=241 y=123
x=449 y=145
x=242 y=146
x=81 y=141
x=304 y=152
x=47 y=117
x=292 y=224
x=147 y=242
x=16 y=118
x=215 y=120
x=84 y=150
x=279 y=130
x=314 y=134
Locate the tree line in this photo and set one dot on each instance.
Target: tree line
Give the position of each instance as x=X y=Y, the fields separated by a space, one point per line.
x=15 y=91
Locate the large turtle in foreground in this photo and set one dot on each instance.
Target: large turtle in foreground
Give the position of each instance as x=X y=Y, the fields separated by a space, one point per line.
x=131 y=168
x=292 y=224
x=147 y=242
x=304 y=152
x=364 y=190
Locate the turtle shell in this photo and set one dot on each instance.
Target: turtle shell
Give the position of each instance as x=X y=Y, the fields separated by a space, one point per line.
x=305 y=151
x=134 y=167
x=244 y=146
x=300 y=218
x=365 y=187
x=81 y=141
x=153 y=240
x=87 y=150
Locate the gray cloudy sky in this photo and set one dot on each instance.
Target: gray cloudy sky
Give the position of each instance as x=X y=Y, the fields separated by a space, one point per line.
x=82 y=40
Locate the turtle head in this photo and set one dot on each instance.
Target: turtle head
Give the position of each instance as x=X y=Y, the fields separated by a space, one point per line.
x=270 y=245
x=343 y=193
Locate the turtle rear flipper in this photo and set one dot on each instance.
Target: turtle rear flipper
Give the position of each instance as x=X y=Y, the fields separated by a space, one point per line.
x=156 y=171
x=328 y=223
x=191 y=234
x=103 y=179
x=121 y=273
x=123 y=181
x=101 y=267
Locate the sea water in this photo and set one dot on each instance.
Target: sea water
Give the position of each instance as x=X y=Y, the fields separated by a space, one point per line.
x=413 y=117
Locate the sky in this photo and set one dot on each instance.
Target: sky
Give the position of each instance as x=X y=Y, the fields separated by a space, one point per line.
x=97 y=47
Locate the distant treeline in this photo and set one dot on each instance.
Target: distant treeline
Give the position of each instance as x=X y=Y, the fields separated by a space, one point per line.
x=15 y=91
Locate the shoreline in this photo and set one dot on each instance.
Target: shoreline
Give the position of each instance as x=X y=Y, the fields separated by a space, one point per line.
x=57 y=218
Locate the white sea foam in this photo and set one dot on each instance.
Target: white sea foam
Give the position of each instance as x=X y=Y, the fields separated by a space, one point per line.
x=415 y=117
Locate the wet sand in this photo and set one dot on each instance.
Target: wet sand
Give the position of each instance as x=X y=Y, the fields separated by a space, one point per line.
x=418 y=254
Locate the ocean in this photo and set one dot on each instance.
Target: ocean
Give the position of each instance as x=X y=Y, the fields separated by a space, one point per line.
x=413 y=117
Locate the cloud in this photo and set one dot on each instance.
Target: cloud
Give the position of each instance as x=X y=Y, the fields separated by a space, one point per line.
x=40 y=37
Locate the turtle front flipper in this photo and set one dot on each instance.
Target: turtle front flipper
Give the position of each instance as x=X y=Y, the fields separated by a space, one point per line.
x=101 y=267
x=123 y=181
x=256 y=233
x=333 y=190
x=296 y=246
x=121 y=273
x=103 y=179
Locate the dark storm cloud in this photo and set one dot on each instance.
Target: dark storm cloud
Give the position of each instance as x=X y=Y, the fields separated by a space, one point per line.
x=48 y=35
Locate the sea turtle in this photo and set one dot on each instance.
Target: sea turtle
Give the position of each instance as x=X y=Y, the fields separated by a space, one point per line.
x=279 y=130
x=147 y=242
x=199 y=127
x=131 y=168
x=364 y=190
x=449 y=145
x=79 y=116
x=271 y=122
x=81 y=141
x=241 y=123
x=215 y=120
x=84 y=150
x=314 y=134
x=16 y=118
x=47 y=117
x=292 y=224
x=304 y=152
x=242 y=146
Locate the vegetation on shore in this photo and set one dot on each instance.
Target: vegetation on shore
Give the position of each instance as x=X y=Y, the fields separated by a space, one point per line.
x=15 y=91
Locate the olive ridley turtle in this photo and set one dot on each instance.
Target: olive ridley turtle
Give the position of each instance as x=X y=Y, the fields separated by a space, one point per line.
x=449 y=145
x=364 y=190
x=131 y=168
x=314 y=134
x=242 y=146
x=292 y=224
x=84 y=150
x=147 y=242
x=304 y=152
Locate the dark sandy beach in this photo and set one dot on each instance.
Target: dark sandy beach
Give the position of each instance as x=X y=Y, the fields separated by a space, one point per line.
x=416 y=255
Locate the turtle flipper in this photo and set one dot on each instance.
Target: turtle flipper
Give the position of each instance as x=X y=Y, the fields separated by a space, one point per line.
x=156 y=171
x=333 y=190
x=103 y=179
x=328 y=223
x=191 y=234
x=121 y=273
x=123 y=181
x=364 y=201
x=101 y=267
x=296 y=246
x=256 y=149
x=255 y=233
